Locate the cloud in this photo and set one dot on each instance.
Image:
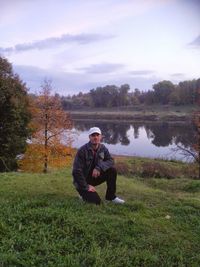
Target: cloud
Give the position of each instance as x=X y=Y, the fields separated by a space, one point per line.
x=142 y=72
x=71 y=83
x=56 y=41
x=178 y=75
x=196 y=42
x=102 y=68
x=64 y=82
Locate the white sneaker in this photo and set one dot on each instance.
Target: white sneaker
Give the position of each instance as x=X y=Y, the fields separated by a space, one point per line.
x=80 y=197
x=118 y=200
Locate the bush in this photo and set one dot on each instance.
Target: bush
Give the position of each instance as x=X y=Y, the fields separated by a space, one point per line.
x=157 y=170
x=191 y=172
x=122 y=168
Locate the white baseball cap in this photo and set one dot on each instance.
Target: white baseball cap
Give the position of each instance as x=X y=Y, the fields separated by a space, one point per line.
x=94 y=130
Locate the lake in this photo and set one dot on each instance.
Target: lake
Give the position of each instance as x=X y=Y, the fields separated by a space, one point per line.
x=154 y=140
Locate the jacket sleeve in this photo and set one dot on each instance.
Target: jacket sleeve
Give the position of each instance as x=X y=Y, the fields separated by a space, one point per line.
x=78 y=174
x=106 y=162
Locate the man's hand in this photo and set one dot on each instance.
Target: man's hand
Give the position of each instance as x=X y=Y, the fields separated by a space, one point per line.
x=91 y=188
x=95 y=173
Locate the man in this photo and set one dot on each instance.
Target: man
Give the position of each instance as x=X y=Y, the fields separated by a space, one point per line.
x=93 y=165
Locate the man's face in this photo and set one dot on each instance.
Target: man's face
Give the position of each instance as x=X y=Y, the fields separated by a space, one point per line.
x=95 y=138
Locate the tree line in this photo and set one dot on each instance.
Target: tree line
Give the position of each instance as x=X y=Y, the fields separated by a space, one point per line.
x=164 y=93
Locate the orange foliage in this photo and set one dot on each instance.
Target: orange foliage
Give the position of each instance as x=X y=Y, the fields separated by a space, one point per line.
x=59 y=157
x=51 y=136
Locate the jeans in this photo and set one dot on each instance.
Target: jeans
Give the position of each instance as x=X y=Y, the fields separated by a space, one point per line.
x=110 y=177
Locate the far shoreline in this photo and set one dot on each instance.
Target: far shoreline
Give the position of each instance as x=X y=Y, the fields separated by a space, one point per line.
x=124 y=117
x=156 y=113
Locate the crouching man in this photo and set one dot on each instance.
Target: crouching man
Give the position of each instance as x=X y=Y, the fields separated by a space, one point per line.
x=92 y=166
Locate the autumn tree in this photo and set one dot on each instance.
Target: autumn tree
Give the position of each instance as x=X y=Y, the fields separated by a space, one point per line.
x=51 y=126
x=14 y=116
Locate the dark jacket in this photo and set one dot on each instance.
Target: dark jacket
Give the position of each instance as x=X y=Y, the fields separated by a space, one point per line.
x=83 y=163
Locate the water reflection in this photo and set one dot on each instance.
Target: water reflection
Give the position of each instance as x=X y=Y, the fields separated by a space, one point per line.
x=113 y=133
x=165 y=134
x=159 y=135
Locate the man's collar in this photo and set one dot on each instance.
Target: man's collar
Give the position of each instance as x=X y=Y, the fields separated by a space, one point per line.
x=89 y=145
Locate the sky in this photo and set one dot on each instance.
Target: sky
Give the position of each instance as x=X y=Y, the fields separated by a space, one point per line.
x=82 y=44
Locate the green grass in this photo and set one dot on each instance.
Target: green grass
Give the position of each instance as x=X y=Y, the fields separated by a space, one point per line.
x=43 y=223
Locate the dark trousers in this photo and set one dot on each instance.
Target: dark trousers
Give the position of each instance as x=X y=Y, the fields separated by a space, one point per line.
x=110 y=177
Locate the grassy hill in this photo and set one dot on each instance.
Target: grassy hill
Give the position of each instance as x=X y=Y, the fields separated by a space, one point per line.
x=43 y=223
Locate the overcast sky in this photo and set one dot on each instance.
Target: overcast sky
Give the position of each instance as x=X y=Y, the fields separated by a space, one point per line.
x=82 y=44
